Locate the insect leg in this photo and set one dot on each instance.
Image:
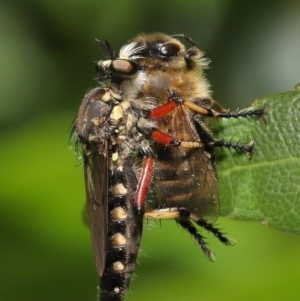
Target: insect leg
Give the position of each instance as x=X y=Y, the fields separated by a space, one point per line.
x=144 y=183
x=164 y=213
x=163 y=110
x=212 y=229
x=186 y=220
x=201 y=106
x=175 y=101
x=252 y=112
x=187 y=225
x=247 y=148
x=166 y=139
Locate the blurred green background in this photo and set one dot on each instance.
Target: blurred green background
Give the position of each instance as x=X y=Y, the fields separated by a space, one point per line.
x=46 y=56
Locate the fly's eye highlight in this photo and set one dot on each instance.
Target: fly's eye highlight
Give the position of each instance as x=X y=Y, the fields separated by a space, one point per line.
x=169 y=49
x=123 y=68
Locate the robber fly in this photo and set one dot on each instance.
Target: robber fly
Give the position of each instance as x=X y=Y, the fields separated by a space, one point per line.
x=148 y=151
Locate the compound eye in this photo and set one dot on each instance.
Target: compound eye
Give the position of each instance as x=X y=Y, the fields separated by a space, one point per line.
x=169 y=49
x=123 y=68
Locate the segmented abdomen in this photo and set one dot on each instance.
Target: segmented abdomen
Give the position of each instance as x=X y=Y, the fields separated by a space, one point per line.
x=124 y=235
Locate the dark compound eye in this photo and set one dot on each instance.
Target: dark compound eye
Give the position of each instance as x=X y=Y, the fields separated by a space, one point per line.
x=161 y=49
x=123 y=68
x=169 y=49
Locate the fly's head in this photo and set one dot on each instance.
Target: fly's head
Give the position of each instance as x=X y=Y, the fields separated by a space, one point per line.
x=149 y=53
x=150 y=66
x=119 y=68
x=167 y=53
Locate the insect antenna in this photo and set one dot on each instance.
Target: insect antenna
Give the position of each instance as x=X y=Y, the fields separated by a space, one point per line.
x=186 y=38
x=105 y=44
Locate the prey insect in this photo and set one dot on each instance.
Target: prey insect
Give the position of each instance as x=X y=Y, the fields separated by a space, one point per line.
x=148 y=151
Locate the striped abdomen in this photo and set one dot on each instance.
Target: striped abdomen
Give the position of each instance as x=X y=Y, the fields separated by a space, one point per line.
x=124 y=235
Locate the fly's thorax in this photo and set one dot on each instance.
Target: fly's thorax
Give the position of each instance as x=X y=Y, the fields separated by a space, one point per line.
x=189 y=85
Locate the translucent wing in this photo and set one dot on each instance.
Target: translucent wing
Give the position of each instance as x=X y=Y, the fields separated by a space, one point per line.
x=186 y=177
x=90 y=128
x=95 y=172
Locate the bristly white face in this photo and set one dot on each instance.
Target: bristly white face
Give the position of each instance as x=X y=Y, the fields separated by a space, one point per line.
x=130 y=51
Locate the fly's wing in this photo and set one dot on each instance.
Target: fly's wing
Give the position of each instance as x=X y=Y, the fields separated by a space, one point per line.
x=205 y=198
x=206 y=171
x=186 y=177
x=96 y=182
x=206 y=194
x=91 y=128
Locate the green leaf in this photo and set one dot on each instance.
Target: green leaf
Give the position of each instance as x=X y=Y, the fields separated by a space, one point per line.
x=267 y=187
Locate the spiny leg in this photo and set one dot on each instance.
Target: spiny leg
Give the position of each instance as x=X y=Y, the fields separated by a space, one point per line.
x=209 y=112
x=175 y=101
x=246 y=148
x=187 y=225
x=186 y=220
x=248 y=112
x=207 y=138
x=206 y=225
x=168 y=140
x=215 y=231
